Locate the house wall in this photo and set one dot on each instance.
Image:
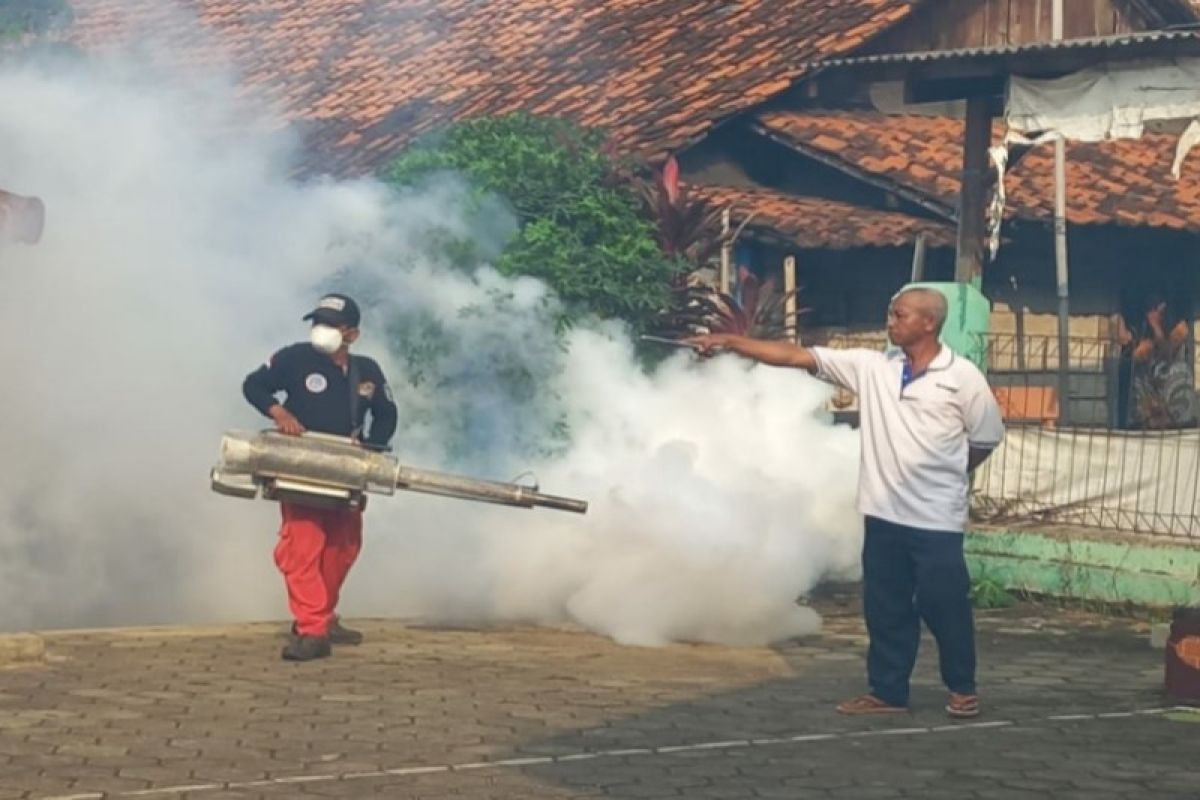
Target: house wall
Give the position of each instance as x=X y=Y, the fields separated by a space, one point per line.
x=1021 y=284
x=851 y=288
x=847 y=293
x=860 y=303
x=1112 y=272
x=984 y=23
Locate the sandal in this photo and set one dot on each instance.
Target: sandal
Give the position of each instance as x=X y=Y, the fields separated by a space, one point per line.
x=869 y=704
x=963 y=706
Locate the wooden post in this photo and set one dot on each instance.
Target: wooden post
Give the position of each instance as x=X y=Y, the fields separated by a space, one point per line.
x=790 y=323
x=918 y=263
x=968 y=265
x=724 y=280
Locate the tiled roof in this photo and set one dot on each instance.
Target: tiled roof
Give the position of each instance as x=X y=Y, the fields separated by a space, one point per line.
x=815 y=223
x=368 y=76
x=1125 y=182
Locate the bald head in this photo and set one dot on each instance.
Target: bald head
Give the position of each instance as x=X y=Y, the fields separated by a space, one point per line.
x=929 y=302
x=916 y=315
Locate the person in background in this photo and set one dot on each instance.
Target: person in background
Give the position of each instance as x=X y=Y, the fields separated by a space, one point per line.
x=1161 y=387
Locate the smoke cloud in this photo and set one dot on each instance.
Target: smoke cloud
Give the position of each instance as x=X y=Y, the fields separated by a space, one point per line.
x=178 y=254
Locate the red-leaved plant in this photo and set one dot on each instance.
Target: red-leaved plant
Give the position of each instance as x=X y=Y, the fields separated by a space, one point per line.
x=760 y=313
x=687 y=227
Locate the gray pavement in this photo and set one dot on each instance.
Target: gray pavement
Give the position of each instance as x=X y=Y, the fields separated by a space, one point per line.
x=1073 y=709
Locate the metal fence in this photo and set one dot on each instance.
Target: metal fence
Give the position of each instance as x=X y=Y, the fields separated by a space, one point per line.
x=1120 y=452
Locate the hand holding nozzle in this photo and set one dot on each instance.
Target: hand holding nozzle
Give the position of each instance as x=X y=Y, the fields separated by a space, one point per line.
x=708 y=345
x=285 y=421
x=705 y=346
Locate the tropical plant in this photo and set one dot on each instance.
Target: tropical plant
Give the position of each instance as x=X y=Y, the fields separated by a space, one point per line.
x=760 y=312
x=686 y=227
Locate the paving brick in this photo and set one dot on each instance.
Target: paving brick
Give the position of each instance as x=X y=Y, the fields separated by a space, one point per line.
x=21 y=649
x=473 y=697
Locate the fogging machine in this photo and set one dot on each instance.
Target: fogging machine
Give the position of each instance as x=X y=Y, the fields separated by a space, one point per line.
x=331 y=471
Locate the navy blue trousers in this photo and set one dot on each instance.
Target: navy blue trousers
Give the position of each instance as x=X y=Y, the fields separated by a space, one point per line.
x=909 y=575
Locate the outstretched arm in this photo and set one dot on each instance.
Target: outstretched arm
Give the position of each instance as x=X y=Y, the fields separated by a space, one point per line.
x=775 y=354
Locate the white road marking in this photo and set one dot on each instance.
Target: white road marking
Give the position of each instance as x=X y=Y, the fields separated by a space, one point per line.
x=517 y=763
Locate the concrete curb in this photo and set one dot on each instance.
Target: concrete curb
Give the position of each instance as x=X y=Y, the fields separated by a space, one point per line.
x=21 y=648
x=1088 y=565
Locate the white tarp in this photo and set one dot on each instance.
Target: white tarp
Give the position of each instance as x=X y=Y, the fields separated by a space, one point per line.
x=1131 y=480
x=1113 y=101
x=1110 y=101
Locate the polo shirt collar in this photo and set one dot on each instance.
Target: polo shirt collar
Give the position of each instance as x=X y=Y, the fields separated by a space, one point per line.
x=942 y=360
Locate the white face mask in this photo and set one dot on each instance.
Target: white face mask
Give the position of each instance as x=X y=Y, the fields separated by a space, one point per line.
x=326 y=339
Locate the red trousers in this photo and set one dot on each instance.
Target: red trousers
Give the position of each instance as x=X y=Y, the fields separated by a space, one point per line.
x=317 y=547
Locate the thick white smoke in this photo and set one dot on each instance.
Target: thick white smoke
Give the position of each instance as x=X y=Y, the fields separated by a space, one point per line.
x=177 y=255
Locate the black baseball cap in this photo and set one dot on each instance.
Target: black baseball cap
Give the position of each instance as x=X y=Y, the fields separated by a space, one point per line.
x=336 y=310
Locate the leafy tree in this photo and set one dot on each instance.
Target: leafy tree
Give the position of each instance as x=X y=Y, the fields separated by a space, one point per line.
x=581 y=228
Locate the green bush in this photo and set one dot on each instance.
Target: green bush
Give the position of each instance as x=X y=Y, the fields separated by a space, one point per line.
x=581 y=230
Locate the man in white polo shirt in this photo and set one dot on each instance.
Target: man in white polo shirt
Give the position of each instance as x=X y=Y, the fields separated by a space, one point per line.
x=928 y=418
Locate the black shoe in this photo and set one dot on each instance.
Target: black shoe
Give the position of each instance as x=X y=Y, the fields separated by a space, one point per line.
x=306 y=648
x=339 y=634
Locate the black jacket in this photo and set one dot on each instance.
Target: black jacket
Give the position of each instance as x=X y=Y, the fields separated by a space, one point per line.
x=322 y=396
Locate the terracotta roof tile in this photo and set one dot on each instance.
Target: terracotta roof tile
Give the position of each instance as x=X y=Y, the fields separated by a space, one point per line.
x=350 y=63
x=816 y=223
x=1125 y=182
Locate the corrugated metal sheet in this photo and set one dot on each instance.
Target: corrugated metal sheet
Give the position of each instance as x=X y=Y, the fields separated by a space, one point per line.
x=1095 y=43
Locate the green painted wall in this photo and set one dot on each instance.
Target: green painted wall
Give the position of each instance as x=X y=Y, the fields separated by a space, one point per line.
x=1088 y=565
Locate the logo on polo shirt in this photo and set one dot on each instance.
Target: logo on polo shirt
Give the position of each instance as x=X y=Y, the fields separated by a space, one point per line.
x=316 y=383
x=366 y=389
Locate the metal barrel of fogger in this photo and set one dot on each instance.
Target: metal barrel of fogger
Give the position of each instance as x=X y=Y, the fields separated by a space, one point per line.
x=447 y=485
x=312 y=458
x=337 y=464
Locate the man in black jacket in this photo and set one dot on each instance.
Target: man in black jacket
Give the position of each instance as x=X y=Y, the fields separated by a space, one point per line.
x=326 y=391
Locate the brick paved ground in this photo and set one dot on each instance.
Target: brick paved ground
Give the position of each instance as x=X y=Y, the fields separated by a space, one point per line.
x=523 y=713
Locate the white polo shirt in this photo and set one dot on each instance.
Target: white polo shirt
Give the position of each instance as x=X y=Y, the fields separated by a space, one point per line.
x=915 y=438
